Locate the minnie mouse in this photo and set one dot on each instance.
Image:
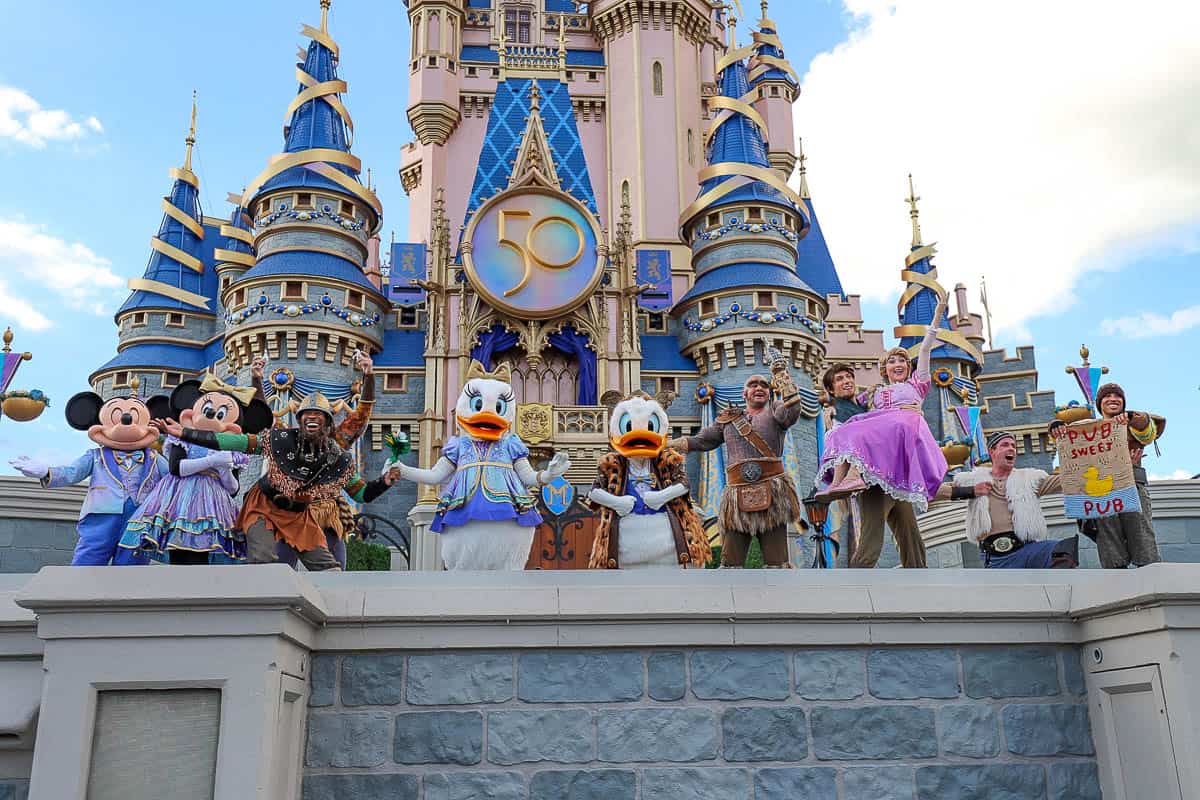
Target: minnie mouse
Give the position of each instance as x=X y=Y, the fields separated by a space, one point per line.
x=191 y=513
x=121 y=472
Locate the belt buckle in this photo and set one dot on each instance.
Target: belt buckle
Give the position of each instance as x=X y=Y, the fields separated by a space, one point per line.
x=751 y=472
x=1003 y=544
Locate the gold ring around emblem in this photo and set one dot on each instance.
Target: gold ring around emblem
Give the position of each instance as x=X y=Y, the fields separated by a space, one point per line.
x=529 y=252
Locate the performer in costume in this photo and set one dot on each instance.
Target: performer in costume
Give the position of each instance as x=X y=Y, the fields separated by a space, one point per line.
x=840 y=406
x=900 y=465
x=304 y=465
x=1128 y=538
x=1004 y=516
x=641 y=491
x=191 y=512
x=486 y=515
x=121 y=472
x=760 y=498
x=334 y=515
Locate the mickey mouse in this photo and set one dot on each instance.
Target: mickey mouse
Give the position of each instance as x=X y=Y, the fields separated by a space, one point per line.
x=122 y=471
x=192 y=513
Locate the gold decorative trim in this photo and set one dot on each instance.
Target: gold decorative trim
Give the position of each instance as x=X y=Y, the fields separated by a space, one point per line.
x=171 y=251
x=185 y=175
x=742 y=174
x=173 y=292
x=233 y=257
x=182 y=218
x=317 y=159
x=243 y=236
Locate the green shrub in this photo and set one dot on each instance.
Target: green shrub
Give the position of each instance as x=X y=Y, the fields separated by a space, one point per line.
x=754 y=558
x=362 y=555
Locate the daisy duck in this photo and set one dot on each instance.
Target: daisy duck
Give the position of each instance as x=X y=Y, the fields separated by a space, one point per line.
x=641 y=491
x=121 y=471
x=486 y=514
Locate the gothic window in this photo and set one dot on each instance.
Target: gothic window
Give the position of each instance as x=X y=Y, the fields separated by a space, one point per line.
x=516 y=25
x=625 y=192
x=554 y=380
x=416 y=35
x=656 y=78
x=434 y=33
x=691 y=147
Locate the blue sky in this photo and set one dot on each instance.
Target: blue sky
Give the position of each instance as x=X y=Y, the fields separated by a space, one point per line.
x=83 y=187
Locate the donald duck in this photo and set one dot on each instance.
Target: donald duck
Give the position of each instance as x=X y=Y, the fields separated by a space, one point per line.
x=486 y=514
x=641 y=491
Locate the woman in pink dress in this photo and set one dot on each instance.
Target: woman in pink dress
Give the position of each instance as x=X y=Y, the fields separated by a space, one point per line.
x=890 y=446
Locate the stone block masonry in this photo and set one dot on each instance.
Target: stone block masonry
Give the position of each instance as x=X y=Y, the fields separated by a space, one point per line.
x=821 y=723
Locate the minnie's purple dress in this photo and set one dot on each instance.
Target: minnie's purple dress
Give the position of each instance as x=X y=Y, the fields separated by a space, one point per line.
x=891 y=445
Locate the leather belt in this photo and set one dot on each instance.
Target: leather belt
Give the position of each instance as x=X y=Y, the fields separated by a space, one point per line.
x=279 y=499
x=752 y=470
x=1001 y=544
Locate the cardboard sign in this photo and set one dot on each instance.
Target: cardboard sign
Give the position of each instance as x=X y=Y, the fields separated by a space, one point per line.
x=1097 y=474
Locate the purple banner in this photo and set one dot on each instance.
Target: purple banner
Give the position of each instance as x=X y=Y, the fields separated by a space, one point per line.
x=408 y=264
x=8 y=369
x=1088 y=379
x=654 y=267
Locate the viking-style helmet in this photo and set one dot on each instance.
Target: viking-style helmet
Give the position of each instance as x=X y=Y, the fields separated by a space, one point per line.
x=316 y=402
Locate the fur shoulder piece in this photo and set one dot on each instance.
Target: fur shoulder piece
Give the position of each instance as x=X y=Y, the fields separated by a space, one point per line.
x=609 y=461
x=729 y=415
x=669 y=457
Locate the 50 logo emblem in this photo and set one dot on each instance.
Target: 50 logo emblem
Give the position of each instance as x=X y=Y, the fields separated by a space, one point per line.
x=546 y=244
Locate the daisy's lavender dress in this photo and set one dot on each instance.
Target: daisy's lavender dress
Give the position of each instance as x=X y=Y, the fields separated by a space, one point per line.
x=891 y=445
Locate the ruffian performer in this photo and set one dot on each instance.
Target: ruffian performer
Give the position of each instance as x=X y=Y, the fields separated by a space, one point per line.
x=641 y=491
x=1128 y=538
x=760 y=498
x=305 y=465
x=335 y=514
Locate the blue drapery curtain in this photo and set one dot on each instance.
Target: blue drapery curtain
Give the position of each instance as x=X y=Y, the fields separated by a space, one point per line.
x=495 y=340
x=574 y=343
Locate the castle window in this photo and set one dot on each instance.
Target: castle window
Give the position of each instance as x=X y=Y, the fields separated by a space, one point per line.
x=120 y=379
x=416 y=34
x=708 y=307
x=137 y=320
x=764 y=300
x=516 y=25
x=347 y=209
x=774 y=91
x=264 y=207
x=354 y=299
x=407 y=316
x=656 y=323
x=225 y=281
x=656 y=78
x=239 y=298
x=472 y=72
x=755 y=214
x=395 y=382
x=433 y=61
x=304 y=200
x=171 y=379
x=667 y=385
x=570 y=75
x=714 y=220
x=593 y=76
x=174 y=320
x=450 y=64
x=814 y=309
x=495 y=72
x=691 y=147
x=292 y=290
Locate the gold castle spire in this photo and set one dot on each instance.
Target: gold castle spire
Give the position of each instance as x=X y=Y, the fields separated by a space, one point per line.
x=325 y=15
x=913 y=213
x=191 y=137
x=800 y=159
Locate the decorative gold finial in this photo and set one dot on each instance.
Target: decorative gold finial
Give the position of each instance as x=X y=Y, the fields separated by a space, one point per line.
x=764 y=10
x=732 y=31
x=800 y=159
x=1084 y=353
x=913 y=213
x=134 y=383
x=191 y=137
x=562 y=34
x=325 y=15
x=535 y=95
x=8 y=337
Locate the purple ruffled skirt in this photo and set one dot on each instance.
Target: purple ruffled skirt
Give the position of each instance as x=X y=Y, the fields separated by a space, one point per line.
x=893 y=449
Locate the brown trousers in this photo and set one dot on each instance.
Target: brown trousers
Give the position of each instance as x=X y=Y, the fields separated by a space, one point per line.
x=262 y=548
x=875 y=507
x=1128 y=538
x=735 y=545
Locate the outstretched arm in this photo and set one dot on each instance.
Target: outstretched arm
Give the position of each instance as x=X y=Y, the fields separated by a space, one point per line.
x=709 y=438
x=558 y=465
x=922 y=373
x=237 y=442
x=436 y=476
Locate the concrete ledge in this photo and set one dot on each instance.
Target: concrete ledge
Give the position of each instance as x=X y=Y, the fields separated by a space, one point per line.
x=24 y=498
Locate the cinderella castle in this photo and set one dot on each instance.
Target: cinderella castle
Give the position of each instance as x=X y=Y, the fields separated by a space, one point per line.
x=600 y=195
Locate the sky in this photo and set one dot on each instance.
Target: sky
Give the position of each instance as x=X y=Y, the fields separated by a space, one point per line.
x=1055 y=148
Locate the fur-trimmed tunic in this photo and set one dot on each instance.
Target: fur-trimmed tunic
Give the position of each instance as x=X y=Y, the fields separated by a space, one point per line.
x=691 y=544
x=1021 y=491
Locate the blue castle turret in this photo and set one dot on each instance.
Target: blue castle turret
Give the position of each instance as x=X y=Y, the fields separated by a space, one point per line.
x=744 y=230
x=167 y=325
x=814 y=263
x=955 y=362
x=297 y=291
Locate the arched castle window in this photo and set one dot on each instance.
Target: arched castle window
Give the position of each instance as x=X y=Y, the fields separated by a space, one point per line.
x=434 y=38
x=517 y=24
x=554 y=380
x=625 y=192
x=416 y=36
x=656 y=78
x=691 y=147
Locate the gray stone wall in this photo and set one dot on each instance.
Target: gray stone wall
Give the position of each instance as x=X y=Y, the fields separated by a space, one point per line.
x=27 y=545
x=971 y=723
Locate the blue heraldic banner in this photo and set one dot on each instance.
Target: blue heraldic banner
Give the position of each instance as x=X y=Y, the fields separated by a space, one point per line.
x=654 y=267
x=408 y=264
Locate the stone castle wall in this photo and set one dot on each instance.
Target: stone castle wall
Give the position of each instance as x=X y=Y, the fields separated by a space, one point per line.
x=849 y=723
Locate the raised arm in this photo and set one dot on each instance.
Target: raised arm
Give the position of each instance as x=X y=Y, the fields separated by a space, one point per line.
x=785 y=415
x=922 y=373
x=352 y=426
x=435 y=476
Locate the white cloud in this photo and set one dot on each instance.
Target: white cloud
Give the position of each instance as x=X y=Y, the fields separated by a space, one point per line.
x=1147 y=324
x=1177 y=475
x=24 y=314
x=23 y=119
x=1046 y=140
x=80 y=277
